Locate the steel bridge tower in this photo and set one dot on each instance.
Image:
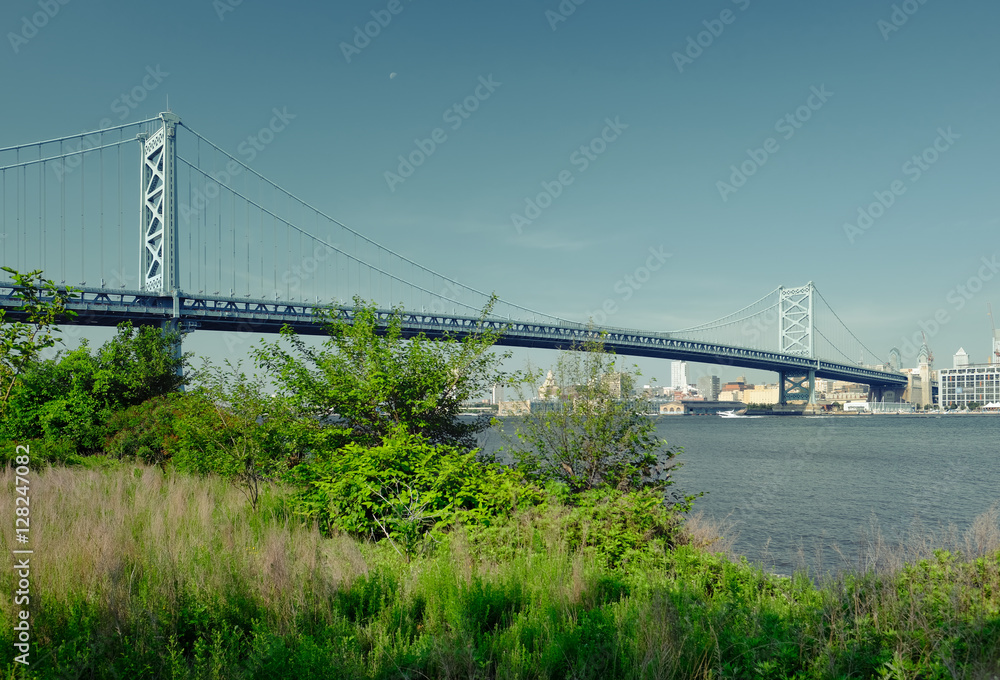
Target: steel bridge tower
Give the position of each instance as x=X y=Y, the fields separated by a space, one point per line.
x=796 y=327
x=158 y=221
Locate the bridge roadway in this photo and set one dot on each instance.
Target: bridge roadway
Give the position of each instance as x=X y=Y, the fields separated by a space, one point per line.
x=106 y=307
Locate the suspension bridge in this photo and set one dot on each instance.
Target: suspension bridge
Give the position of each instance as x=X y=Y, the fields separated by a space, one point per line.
x=191 y=237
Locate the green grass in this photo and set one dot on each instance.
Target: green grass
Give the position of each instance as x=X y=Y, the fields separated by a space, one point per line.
x=138 y=574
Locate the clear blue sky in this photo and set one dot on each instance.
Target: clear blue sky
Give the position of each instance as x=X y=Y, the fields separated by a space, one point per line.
x=883 y=79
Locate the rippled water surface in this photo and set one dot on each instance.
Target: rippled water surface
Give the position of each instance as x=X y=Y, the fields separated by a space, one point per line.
x=802 y=491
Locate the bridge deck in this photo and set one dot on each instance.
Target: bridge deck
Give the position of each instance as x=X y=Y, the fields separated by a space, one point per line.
x=108 y=308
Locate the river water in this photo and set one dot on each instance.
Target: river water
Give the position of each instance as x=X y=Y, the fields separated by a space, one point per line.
x=806 y=491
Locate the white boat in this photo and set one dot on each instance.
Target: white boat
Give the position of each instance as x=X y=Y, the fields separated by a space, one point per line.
x=742 y=413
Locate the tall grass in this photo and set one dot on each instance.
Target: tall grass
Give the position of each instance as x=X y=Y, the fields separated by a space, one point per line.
x=137 y=574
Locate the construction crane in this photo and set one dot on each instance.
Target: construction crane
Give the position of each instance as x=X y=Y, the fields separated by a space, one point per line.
x=995 y=358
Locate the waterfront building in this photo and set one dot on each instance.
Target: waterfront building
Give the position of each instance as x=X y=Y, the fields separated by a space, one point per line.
x=678 y=375
x=514 y=408
x=969 y=384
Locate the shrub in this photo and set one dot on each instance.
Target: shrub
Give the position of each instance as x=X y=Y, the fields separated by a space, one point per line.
x=407 y=489
x=146 y=431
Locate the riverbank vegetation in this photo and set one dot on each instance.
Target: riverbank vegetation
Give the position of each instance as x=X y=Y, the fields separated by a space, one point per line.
x=146 y=574
x=345 y=526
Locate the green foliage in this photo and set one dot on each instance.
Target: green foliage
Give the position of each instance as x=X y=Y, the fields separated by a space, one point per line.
x=42 y=304
x=233 y=428
x=407 y=488
x=201 y=588
x=621 y=527
x=376 y=380
x=147 y=431
x=592 y=434
x=75 y=396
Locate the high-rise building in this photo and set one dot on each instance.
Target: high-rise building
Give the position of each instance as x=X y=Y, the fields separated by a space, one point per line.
x=678 y=375
x=708 y=385
x=961 y=358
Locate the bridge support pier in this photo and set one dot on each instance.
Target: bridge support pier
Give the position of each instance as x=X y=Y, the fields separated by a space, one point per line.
x=177 y=348
x=798 y=388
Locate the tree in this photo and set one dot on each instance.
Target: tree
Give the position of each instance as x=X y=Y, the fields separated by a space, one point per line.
x=593 y=434
x=376 y=380
x=21 y=344
x=138 y=364
x=233 y=428
x=75 y=395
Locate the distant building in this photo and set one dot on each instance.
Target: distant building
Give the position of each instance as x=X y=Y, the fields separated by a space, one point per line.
x=709 y=387
x=514 y=408
x=548 y=389
x=496 y=395
x=969 y=384
x=960 y=359
x=696 y=408
x=678 y=375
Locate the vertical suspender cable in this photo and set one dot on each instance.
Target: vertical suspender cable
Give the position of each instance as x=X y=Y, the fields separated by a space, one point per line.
x=42 y=206
x=62 y=222
x=249 y=239
x=17 y=214
x=101 y=161
x=232 y=231
x=83 y=219
x=121 y=216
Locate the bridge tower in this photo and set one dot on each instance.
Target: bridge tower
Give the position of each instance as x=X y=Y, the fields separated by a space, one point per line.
x=158 y=238
x=158 y=224
x=795 y=336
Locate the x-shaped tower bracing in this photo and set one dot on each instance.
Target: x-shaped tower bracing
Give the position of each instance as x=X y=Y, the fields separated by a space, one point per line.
x=795 y=336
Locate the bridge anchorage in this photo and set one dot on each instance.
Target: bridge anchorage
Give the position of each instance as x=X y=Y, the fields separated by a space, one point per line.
x=210 y=223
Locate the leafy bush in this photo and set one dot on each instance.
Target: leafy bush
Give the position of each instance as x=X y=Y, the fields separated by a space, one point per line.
x=406 y=489
x=146 y=431
x=621 y=527
x=75 y=396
